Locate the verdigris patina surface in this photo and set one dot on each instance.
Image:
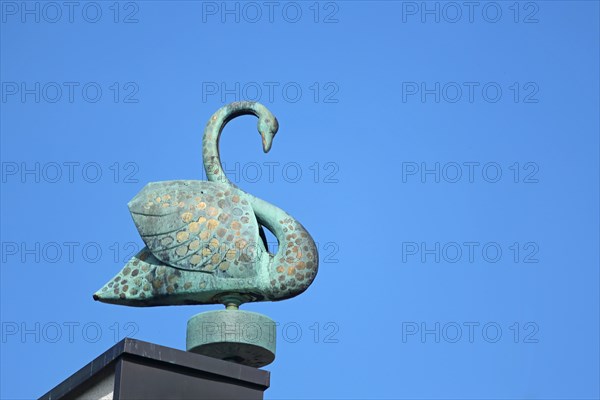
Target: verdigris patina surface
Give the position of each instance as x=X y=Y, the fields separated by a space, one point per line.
x=205 y=242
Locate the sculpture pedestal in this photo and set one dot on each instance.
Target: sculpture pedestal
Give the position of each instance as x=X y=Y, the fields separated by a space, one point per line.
x=133 y=369
x=243 y=337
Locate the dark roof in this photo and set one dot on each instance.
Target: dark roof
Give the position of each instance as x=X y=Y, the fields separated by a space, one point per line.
x=163 y=357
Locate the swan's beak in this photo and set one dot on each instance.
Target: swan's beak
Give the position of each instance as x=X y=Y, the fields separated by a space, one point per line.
x=267 y=141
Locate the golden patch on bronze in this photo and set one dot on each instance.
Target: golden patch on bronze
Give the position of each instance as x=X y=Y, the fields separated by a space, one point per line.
x=182 y=236
x=187 y=217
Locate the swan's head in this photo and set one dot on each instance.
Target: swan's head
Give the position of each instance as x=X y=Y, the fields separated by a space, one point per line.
x=267 y=127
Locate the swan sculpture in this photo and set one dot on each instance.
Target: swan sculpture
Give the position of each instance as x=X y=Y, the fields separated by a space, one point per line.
x=205 y=242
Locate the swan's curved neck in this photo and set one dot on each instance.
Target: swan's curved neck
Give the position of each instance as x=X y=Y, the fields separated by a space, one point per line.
x=212 y=134
x=266 y=213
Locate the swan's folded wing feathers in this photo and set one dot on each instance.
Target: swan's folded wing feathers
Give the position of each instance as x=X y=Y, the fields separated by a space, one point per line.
x=197 y=225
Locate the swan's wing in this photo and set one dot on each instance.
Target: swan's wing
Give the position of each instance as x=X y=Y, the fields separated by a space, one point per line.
x=198 y=225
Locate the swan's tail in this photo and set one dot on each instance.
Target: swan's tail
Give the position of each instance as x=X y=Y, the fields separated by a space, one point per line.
x=145 y=281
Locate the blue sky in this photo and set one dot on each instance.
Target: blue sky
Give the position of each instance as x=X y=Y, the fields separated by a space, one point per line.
x=444 y=156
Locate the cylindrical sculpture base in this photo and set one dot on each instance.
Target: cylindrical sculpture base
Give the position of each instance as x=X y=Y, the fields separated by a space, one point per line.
x=243 y=337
